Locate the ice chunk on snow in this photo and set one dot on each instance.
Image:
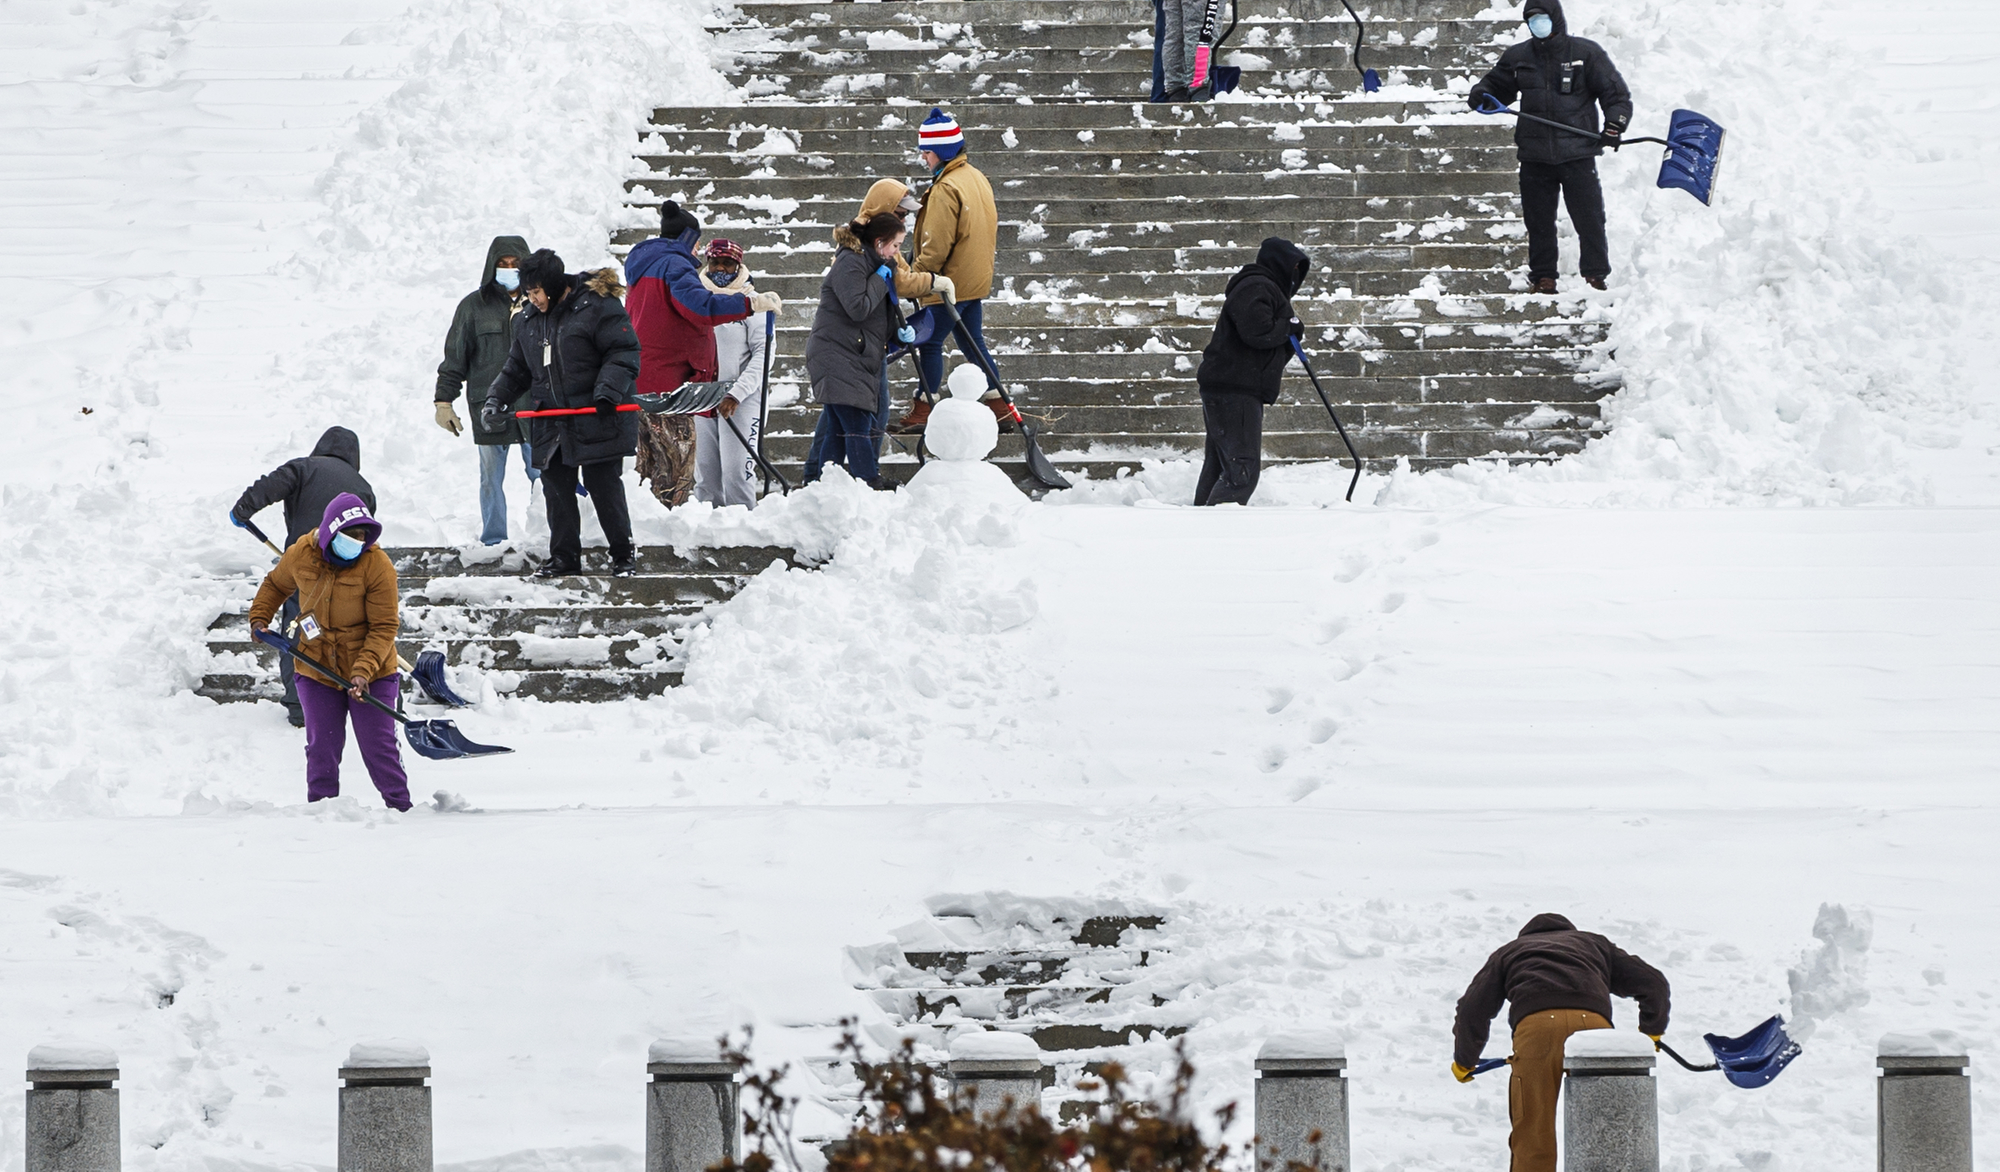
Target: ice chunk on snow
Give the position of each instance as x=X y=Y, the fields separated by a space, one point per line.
x=1927 y=1044
x=72 y=1056
x=1305 y=1044
x=987 y=1045
x=1608 y=1044
x=684 y=1050
x=380 y=1053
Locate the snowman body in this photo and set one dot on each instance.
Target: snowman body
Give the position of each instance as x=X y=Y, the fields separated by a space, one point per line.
x=960 y=433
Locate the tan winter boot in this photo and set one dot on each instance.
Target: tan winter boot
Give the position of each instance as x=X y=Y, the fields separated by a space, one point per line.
x=913 y=423
x=1003 y=411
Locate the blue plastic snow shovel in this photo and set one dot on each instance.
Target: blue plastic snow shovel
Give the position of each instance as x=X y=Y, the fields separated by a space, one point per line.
x=439 y=740
x=429 y=674
x=1750 y=1061
x=1370 y=80
x=1693 y=142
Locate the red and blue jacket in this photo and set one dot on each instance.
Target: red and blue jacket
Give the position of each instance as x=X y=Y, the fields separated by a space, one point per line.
x=674 y=314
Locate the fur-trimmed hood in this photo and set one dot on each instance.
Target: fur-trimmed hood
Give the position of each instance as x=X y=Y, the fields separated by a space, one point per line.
x=885 y=196
x=603 y=282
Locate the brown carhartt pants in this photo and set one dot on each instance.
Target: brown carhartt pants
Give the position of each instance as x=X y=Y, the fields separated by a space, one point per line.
x=1537 y=1080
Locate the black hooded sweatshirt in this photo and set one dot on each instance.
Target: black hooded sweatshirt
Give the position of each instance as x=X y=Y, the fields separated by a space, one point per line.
x=1561 y=78
x=476 y=345
x=1551 y=965
x=1253 y=334
x=308 y=484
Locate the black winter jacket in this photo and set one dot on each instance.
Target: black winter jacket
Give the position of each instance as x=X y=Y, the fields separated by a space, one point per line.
x=1537 y=71
x=308 y=484
x=580 y=353
x=1253 y=334
x=850 y=332
x=476 y=345
x=1551 y=965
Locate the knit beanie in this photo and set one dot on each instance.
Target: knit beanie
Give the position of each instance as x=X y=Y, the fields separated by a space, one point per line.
x=941 y=136
x=675 y=222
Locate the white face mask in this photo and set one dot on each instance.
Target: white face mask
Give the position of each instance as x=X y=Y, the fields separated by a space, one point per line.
x=508 y=279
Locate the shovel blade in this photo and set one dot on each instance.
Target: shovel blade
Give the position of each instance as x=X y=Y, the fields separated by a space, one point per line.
x=1694 y=152
x=1039 y=465
x=686 y=399
x=440 y=740
x=1370 y=81
x=1757 y=1057
x=429 y=674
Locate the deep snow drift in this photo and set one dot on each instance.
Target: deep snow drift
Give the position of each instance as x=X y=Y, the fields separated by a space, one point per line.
x=1345 y=750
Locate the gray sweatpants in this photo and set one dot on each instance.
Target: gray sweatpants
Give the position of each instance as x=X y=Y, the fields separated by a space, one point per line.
x=1183 y=35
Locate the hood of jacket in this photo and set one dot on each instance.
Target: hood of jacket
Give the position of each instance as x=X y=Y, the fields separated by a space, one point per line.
x=1280 y=260
x=513 y=246
x=345 y=511
x=1555 y=10
x=342 y=445
x=603 y=282
x=884 y=196
x=1547 y=922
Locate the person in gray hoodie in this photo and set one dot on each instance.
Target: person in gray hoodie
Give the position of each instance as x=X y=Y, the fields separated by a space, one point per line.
x=475 y=347
x=725 y=471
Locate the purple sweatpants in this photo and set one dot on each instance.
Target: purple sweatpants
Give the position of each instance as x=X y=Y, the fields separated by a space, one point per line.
x=327 y=711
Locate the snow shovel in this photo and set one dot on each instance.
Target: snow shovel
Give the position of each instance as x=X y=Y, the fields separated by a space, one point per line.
x=686 y=399
x=438 y=740
x=1356 y=456
x=429 y=674
x=1750 y=1061
x=1039 y=466
x=1693 y=142
x=1370 y=80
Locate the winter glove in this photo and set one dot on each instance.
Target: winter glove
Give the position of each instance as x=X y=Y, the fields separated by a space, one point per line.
x=886 y=273
x=765 y=303
x=1298 y=328
x=447 y=418
x=236 y=520
x=942 y=286
x=1612 y=130
x=494 y=415
x=1460 y=1073
x=607 y=406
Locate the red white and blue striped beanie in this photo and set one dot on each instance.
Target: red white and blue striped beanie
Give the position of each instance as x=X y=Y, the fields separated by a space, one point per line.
x=940 y=135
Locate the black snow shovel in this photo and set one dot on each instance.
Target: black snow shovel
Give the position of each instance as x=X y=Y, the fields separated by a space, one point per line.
x=439 y=740
x=1693 y=142
x=1352 y=454
x=1039 y=466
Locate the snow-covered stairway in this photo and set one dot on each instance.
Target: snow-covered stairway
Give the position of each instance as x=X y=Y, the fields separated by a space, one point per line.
x=1081 y=979
x=1121 y=220
x=588 y=637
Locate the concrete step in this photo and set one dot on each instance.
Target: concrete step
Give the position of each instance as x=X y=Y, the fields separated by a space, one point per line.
x=1078 y=258
x=1040 y=396
x=896 y=144
x=1190 y=339
x=856 y=172
x=1176 y=415
x=761 y=240
x=804 y=84
x=501 y=653
x=1377 y=444
x=594 y=687
x=738 y=205
x=449 y=561
x=1131 y=286
x=801 y=62
x=1267 y=185
x=880 y=27
x=420 y=621
x=1038 y=369
x=979 y=116
x=1060 y=12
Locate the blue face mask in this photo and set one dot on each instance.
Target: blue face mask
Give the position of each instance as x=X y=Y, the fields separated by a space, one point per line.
x=344 y=547
x=508 y=279
x=1541 y=25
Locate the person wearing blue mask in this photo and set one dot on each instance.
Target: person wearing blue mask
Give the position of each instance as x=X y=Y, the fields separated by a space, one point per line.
x=1565 y=79
x=475 y=347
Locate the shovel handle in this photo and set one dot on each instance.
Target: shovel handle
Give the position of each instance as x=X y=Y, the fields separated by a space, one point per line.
x=272 y=638
x=1492 y=105
x=570 y=411
x=1671 y=1053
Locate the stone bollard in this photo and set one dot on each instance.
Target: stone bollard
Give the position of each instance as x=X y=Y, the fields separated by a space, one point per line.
x=72 y=1120
x=385 y=1108
x=1923 y=1104
x=1611 y=1111
x=1301 y=1090
x=992 y=1066
x=692 y=1119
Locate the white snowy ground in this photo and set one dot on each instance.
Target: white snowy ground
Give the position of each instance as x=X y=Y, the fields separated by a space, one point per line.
x=1346 y=749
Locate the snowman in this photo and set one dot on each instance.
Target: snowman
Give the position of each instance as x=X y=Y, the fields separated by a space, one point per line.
x=960 y=433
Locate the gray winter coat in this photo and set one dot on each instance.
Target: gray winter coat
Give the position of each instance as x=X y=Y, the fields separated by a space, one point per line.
x=308 y=484
x=476 y=345
x=850 y=334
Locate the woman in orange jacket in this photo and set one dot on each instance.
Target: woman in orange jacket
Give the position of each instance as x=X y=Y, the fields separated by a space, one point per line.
x=347 y=621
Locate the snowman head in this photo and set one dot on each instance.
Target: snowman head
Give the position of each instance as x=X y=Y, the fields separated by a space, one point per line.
x=966 y=382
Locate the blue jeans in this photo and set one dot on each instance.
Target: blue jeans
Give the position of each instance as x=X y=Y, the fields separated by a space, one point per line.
x=826 y=442
x=850 y=440
x=493 y=494
x=931 y=353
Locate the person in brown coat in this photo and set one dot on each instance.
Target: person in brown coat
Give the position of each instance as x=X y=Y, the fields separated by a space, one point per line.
x=347 y=620
x=957 y=237
x=1559 y=981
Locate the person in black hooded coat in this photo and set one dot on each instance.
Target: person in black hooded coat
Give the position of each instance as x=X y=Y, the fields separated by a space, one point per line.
x=1565 y=79
x=307 y=486
x=1242 y=367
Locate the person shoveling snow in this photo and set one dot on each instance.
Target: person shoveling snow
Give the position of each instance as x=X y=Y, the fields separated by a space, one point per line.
x=1558 y=981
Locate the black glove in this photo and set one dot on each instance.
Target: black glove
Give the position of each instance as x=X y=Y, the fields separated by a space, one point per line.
x=607 y=406
x=1298 y=328
x=1613 y=129
x=494 y=415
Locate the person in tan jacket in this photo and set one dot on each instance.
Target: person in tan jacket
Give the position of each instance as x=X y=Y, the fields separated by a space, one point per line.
x=957 y=237
x=347 y=621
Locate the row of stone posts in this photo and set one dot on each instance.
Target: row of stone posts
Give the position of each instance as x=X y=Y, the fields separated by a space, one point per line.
x=1610 y=1109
